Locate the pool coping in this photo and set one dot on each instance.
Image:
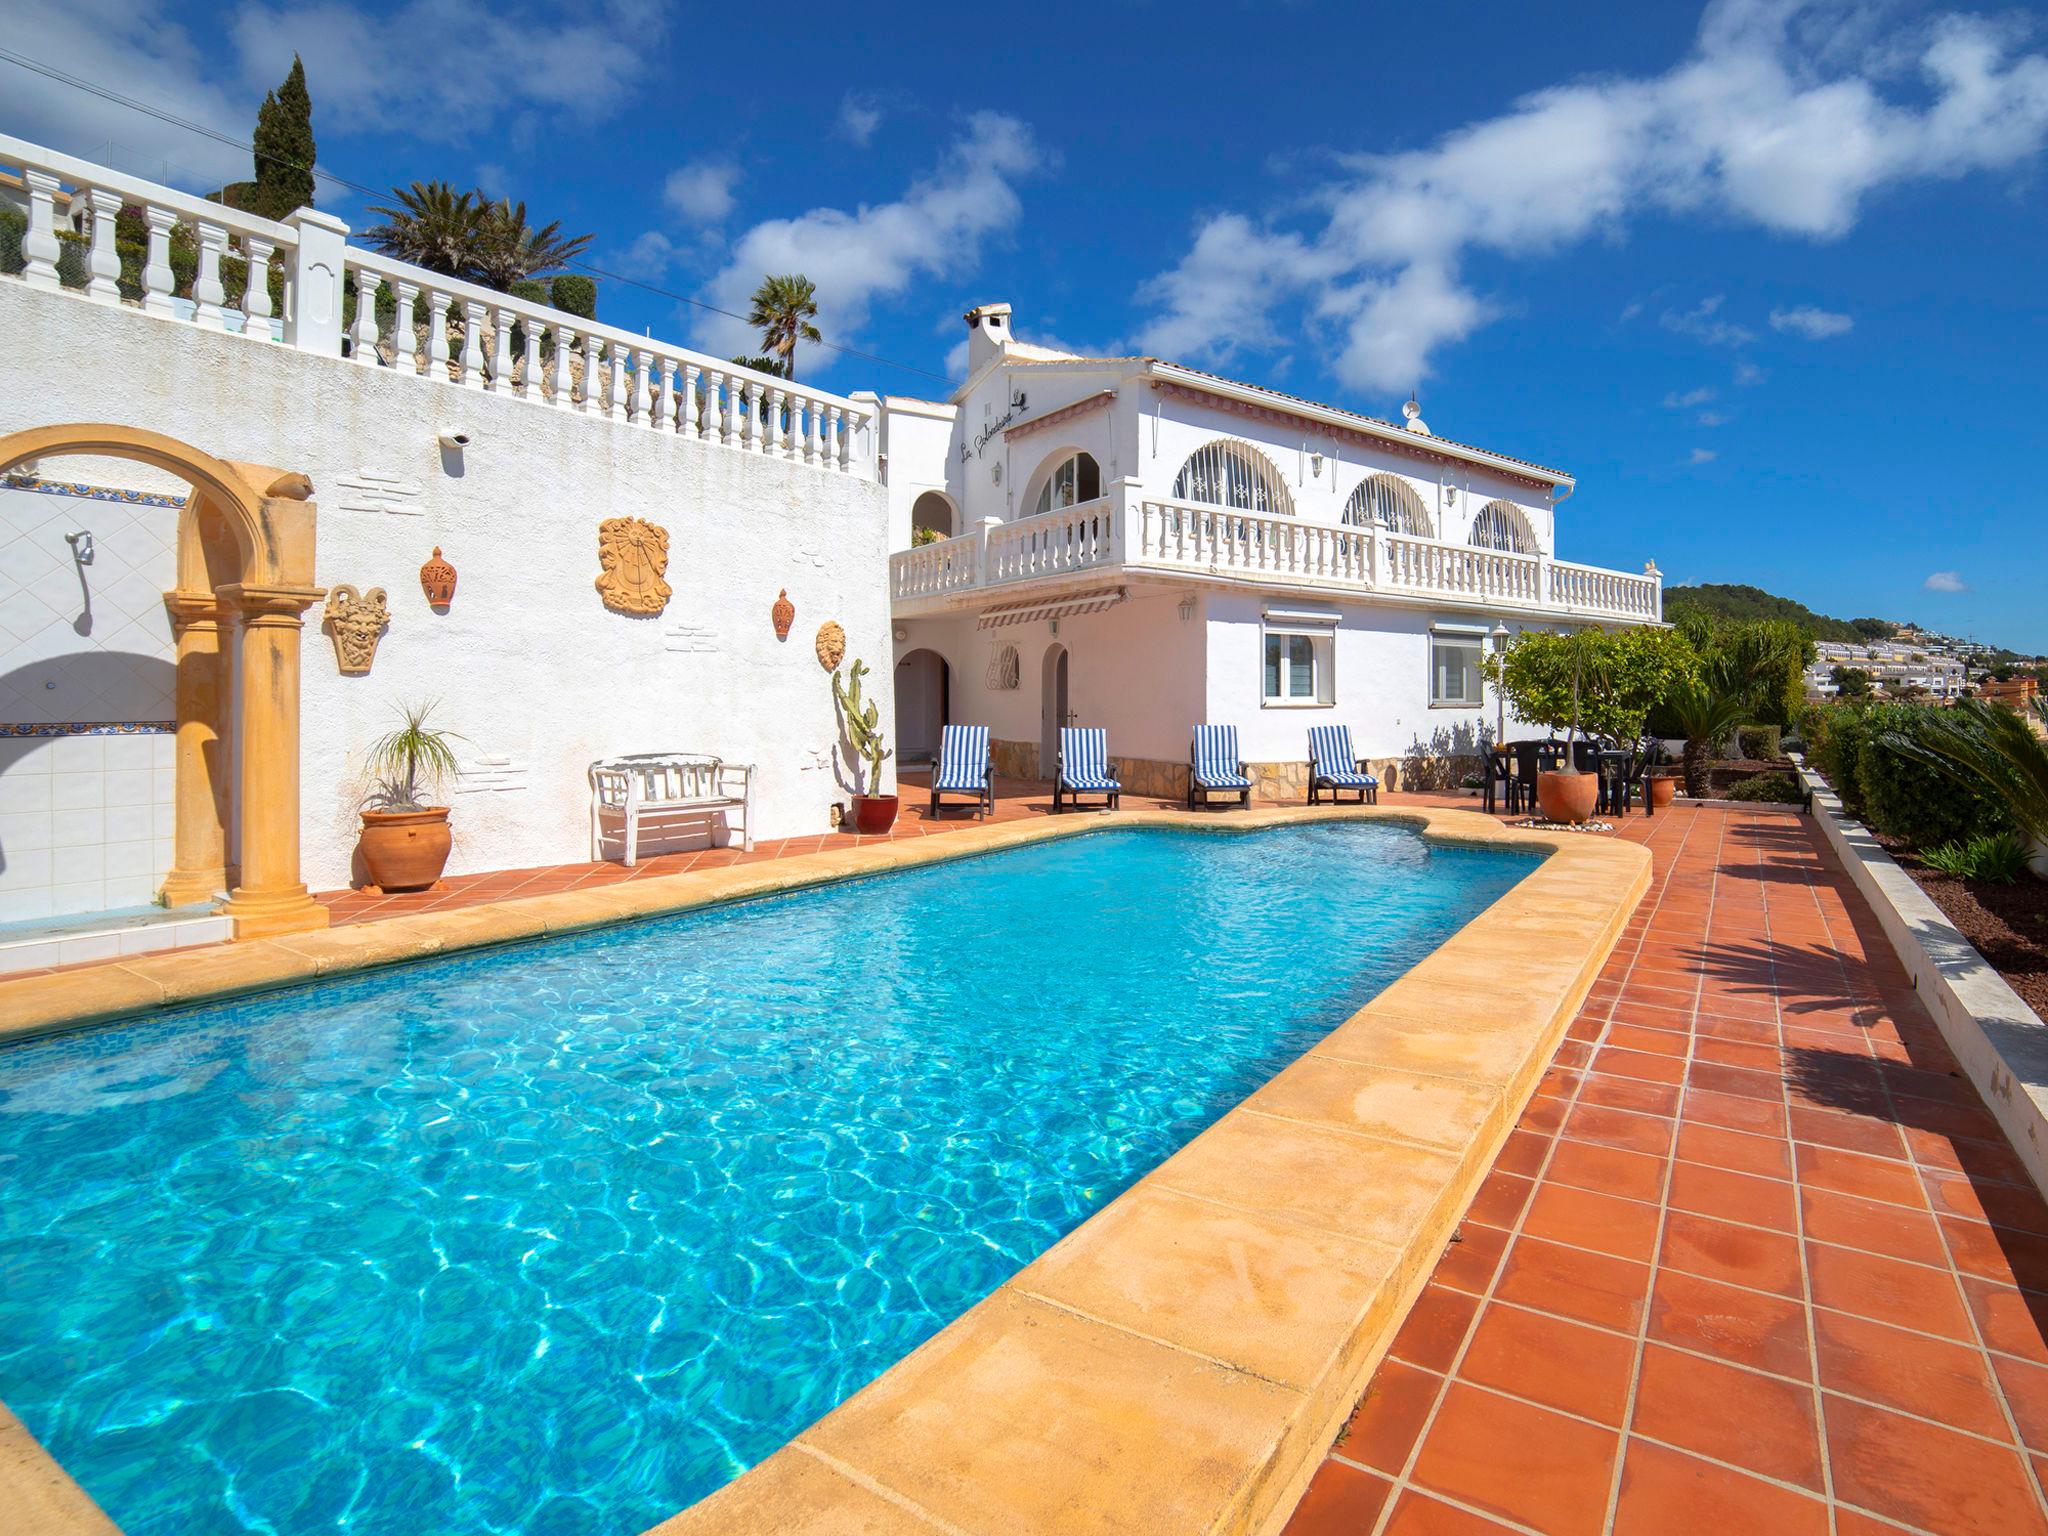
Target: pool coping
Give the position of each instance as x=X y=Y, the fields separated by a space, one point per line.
x=1178 y=1362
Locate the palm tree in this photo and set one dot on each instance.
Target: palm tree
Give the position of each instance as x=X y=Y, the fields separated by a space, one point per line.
x=772 y=366
x=784 y=308
x=509 y=250
x=1707 y=709
x=432 y=226
x=1989 y=749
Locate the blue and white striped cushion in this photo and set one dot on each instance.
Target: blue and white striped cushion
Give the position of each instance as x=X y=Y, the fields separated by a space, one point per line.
x=1084 y=758
x=1329 y=748
x=963 y=759
x=1216 y=758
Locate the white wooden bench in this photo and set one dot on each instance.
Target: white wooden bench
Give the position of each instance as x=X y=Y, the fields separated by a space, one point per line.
x=667 y=786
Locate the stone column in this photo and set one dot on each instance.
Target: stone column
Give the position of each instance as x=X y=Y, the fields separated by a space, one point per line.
x=199 y=863
x=270 y=897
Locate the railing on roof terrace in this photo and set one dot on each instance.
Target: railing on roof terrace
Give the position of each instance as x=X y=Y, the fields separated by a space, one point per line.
x=1462 y=570
x=1207 y=538
x=1590 y=588
x=462 y=334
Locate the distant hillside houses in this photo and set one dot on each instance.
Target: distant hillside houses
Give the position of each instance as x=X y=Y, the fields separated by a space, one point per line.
x=1898 y=667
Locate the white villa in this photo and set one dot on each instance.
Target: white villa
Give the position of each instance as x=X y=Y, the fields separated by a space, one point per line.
x=1134 y=544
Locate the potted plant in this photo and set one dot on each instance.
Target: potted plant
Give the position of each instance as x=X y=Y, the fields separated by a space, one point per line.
x=1565 y=794
x=405 y=842
x=874 y=812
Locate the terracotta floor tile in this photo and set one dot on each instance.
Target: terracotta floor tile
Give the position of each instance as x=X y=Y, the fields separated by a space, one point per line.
x=1996 y=1253
x=1886 y=1291
x=1739 y=1197
x=1589 y=1287
x=1341 y=1501
x=2013 y=1322
x=1383 y=1428
x=1619 y=1128
x=1561 y=1365
x=1759 y=1117
x=1636 y=1037
x=1927 y=1476
x=1743 y=1327
x=1500 y=1200
x=1523 y=1153
x=1521 y=1462
x=2003 y=1205
x=1892 y=1230
x=1470 y=1260
x=1719 y=1250
x=1737 y=1151
x=1722 y=1411
x=1648 y=1066
x=1630 y=1094
x=1417 y=1514
x=1854 y=1133
x=1851 y=1173
x=1435 y=1327
x=1991 y=1161
x=1947 y=1382
x=2026 y=1393
x=1609 y=1170
x=1664 y=1492
x=1583 y=1218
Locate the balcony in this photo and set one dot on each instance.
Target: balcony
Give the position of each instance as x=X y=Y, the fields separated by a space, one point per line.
x=1129 y=537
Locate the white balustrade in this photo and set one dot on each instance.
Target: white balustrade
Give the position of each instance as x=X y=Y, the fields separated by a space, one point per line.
x=931 y=570
x=698 y=397
x=1066 y=539
x=1218 y=540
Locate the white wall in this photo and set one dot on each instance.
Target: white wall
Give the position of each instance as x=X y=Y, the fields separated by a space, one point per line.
x=85 y=809
x=527 y=664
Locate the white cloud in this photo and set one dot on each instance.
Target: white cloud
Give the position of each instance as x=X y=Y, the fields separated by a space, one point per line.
x=1785 y=115
x=702 y=190
x=1703 y=322
x=859 y=117
x=1748 y=375
x=1702 y=456
x=1692 y=397
x=1711 y=419
x=1945 y=581
x=876 y=251
x=1814 y=324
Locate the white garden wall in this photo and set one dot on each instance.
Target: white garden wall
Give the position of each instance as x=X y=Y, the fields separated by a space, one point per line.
x=531 y=669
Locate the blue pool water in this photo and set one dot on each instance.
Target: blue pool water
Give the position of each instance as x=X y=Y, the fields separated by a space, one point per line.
x=557 y=1239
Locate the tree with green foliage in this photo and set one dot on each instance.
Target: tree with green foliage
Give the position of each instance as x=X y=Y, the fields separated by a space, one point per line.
x=1850 y=682
x=1735 y=602
x=1620 y=677
x=1873 y=629
x=763 y=364
x=510 y=250
x=431 y=225
x=464 y=234
x=783 y=309
x=284 y=148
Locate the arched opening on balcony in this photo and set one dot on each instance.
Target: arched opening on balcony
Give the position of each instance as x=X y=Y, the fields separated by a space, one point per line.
x=1389 y=502
x=1503 y=525
x=931 y=518
x=1067 y=478
x=1229 y=473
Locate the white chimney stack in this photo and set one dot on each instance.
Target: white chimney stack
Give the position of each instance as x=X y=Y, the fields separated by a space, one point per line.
x=988 y=333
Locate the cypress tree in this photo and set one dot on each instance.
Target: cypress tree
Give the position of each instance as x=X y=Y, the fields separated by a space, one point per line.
x=284 y=148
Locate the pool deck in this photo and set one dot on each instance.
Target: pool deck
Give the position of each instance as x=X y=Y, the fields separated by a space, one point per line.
x=1746 y=1254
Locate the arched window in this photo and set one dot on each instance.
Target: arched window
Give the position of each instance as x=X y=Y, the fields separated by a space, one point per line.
x=1389 y=502
x=1231 y=474
x=1501 y=525
x=931 y=517
x=1075 y=479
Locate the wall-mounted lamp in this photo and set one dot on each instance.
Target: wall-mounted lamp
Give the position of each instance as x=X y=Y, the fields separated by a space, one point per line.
x=81 y=546
x=1055 y=623
x=1315 y=465
x=1187 y=608
x=996 y=472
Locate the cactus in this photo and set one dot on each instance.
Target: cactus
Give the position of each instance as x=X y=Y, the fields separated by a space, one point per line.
x=863 y=723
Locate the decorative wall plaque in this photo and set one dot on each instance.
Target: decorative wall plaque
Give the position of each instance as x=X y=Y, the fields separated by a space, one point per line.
x=357 y=621
x=783 y=614
x=437 y=580
x=634 y=555
x=1002 y=668
x=831 y=644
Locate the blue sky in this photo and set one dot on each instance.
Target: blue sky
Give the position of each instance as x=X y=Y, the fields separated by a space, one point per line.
x=1765 y=276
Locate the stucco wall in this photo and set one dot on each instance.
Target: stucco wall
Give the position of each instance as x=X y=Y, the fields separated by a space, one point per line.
x=536 y=675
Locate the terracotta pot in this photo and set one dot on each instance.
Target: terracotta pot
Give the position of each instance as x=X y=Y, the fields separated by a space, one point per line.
x=1567 y=797
x=405 y=850
x=783 y=614
x=1663 y=790
x=874 y=814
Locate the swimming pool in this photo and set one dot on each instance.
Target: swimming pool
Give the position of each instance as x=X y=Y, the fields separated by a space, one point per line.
x=558 y=1238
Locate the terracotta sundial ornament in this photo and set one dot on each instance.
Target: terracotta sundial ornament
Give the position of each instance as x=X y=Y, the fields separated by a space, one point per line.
x=783 y=614
x=357 y=621
x=634 y=555
x=437 y=580
x=831 y=644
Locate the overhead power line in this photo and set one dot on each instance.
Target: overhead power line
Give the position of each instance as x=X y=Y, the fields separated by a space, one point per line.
x=93 y=88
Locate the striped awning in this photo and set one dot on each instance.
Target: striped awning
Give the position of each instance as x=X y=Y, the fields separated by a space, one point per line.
x=1031 y=610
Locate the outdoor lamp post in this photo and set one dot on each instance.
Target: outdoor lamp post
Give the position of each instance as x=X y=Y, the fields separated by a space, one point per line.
x=1499 y=637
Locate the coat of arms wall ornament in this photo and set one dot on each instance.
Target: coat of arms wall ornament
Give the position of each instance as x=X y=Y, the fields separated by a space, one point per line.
x=830 y=644
x=634 y=555
x=356 y=620
x=1002 y=668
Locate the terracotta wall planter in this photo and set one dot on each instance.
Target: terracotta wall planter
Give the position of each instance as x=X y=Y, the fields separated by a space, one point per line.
x=1567 y=797
x=405 y=850
x=874 y=814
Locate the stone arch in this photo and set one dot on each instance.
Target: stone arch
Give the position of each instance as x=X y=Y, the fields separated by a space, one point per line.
x=1389 y=502
x=1082 y=482
x=1230 y=472
x=934 y=510
x=245 y=580
x=1505 y=526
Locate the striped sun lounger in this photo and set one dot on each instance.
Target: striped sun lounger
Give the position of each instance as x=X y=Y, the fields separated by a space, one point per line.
x=1214 y=766
x=1333 y=767
x=964 y=767
x=1084 y=767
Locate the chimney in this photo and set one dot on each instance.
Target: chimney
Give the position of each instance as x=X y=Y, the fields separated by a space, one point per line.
x=988 y=332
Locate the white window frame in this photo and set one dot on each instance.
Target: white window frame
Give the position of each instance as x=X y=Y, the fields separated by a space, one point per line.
x=1320 y=630
x=1463 y=635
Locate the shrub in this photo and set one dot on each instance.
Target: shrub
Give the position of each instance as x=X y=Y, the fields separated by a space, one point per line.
x=1760 y=743
x=74 y=266
x=1999 y=859
x=13 y=228
x=574 y=292
x=1773 y=788
x=1907 y=798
